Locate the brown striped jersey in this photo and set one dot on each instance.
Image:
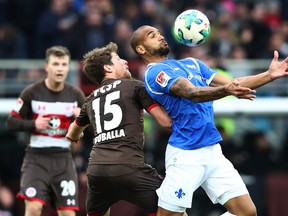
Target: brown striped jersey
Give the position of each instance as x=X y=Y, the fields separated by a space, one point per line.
x=37 y=99
x=116 y=112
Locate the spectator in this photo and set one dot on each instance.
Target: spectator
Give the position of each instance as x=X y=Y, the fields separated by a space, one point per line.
x=12 y=43
x=54 y=26
x=89 y=32
x=255 y=33
x=24 y=16
x=123 y=31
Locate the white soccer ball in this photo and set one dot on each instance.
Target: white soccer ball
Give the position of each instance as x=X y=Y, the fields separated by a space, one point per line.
x=191 y=28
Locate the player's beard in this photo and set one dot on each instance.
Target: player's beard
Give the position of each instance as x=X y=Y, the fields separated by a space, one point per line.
x=162 y=51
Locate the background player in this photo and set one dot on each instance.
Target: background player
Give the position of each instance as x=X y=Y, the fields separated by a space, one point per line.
x=45 y=110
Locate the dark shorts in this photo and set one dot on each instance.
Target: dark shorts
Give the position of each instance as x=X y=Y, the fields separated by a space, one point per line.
x=108 y=184
x=51 y=177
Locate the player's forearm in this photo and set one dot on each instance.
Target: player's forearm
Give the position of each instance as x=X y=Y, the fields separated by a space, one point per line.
x=17 y=124
x=255 y=81
x=183 y=88
x=75 y=132
x=161 y=116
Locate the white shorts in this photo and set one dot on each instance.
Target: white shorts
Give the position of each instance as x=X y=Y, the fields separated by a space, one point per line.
x=187 y=170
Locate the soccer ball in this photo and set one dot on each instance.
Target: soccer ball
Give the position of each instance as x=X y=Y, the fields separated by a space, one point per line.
x=191 y=28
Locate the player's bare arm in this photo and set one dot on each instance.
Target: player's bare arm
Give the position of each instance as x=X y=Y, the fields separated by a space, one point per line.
x=161 y=116
x=75 y=132
x=184 y=88
x=276 y=70
x=76 y=111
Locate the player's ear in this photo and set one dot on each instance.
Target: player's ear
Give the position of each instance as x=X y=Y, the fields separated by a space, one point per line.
x=140 y=50
x=107 y=68
x=46 y=67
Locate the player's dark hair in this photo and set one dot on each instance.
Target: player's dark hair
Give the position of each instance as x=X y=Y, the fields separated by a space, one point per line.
x=134 y=40
x=94 y=61
x=58 y=51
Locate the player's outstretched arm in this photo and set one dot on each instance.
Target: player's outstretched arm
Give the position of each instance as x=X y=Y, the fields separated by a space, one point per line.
x=276 y=70
x=184 y=88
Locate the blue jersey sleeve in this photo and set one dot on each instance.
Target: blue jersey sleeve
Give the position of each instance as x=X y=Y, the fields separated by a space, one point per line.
x=159 y=78
x=206 y=71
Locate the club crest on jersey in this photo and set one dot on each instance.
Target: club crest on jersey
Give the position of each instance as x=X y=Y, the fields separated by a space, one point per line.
x=162 y=79
x=18 y=105
x=31 y=192
x=54 y=122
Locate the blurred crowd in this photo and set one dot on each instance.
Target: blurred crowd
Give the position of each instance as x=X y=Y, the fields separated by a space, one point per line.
x=240 y=29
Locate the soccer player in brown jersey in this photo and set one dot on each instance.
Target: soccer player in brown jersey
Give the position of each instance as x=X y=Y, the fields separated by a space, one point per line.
x=116 y=169
x=45 y=109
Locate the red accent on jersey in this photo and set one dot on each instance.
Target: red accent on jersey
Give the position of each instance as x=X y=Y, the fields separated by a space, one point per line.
x=13 y=113
x=73 y=208
x=78 y=123
x=152 y=106
x=159 y=77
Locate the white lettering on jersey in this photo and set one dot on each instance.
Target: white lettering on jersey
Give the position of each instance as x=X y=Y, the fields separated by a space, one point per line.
x=191 y=66
x=162 y=79
x=107 y=88
x=109 y=135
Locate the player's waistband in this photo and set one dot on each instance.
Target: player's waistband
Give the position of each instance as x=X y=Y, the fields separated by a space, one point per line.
x=47 y=150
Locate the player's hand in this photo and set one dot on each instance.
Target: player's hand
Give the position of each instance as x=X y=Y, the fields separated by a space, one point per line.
x=42 y=122
x=240 y=92
x=73 y=136
x=76 y=111
x=278 y=69
x=74 y=139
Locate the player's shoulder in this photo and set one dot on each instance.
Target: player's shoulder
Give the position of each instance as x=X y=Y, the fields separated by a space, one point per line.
x=34 y=86
x=132 y=82
x=189 y=59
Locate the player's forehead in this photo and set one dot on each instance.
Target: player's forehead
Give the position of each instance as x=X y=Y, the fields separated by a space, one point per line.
x=148 y=30
x=54 y=58
x=114 y=55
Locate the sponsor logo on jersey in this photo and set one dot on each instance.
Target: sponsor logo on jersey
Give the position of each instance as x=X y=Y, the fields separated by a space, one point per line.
x=19 y=104
x=191 y=66
x=109 y=135
x=162 y=79
x=54 y=127
x=71 y=202
x=31 y=192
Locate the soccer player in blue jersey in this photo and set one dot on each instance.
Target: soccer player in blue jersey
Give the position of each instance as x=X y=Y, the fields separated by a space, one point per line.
x=186 y=89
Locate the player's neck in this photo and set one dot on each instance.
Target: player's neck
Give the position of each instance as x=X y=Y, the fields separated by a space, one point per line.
x=54 y=86
x=154 y=59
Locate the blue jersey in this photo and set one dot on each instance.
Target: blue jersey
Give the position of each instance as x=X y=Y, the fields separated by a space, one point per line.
x=193 y=123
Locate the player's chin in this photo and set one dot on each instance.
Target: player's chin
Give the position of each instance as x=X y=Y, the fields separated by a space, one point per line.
x=60 y=79
x=127 y=75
